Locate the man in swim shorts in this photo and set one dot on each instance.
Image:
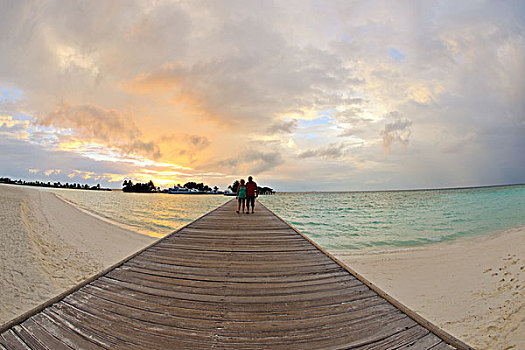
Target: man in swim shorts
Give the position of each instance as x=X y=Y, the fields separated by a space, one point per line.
x=251 y=193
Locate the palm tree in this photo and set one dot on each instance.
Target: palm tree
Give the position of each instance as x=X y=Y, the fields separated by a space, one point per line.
x=151 y=186
x=235 y=186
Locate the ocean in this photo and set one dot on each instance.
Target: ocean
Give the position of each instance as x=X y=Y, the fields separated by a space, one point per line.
x=337 y=220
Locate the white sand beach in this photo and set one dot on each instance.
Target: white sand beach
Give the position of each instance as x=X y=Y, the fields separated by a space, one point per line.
x=472 y=288
x=48 y=246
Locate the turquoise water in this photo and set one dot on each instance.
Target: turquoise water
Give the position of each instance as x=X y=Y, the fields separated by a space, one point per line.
x=381 y=220
x=337 y=221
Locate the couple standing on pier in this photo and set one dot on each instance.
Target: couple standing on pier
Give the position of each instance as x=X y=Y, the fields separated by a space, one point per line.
x=246 y=193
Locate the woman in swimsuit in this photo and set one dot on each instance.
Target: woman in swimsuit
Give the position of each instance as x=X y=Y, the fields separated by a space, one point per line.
x=241 y=196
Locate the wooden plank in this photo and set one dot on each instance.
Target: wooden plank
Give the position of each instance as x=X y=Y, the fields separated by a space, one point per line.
x=119 y=329
x=234 y=312
x=251 y=325
x=441 y=346
x=353 y=333
x=277 y=280
x=167 y=270
x=205 y=260
x=186 y=280
x=202 y=274
x=136 y=333
x=139 y=330
x=230 y=288
x=238 y=313
x=238 y=297
x=28 y=338
x=10 y=340
x=91 y=335
x=396 y=340
x=239 y=265
x=236 y=254
x=62 y=332
x=205 y=280
x=246 y=248
x=43 y=336
x=255 y=306
x=269 y=270
x=204 y=251
x=427 y=342
x=236 y=336
x=230 y=259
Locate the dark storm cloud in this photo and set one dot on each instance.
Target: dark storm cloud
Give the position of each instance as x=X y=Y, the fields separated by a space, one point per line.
x=282 y=126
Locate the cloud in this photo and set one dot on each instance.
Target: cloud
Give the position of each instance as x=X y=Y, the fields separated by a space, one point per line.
x=458 y=145
x=109 y=127
x=184 y=146
x=259 y=162
x=7 y=122
x=247 y=73
x=251 y=161
x=330 y=151
x=282 y=126
x=198 y=142
x=13 y=128
x=51 y=165
x=396 y=131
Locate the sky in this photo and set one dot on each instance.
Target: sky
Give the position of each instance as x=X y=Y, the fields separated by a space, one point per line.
x=302 y=95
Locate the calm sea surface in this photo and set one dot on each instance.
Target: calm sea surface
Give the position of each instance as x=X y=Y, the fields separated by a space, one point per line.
x=337 y=221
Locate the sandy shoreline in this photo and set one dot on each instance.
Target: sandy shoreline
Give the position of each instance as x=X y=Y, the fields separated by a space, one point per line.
x=48 y=246
x=472 y=288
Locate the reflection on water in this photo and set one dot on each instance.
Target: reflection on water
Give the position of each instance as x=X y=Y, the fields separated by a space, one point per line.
x=154 y=214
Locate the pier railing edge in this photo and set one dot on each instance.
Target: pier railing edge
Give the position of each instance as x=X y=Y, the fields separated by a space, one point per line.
x=447 y=337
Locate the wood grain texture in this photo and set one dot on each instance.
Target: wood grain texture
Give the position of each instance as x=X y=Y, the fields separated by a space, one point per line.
x=230 y=281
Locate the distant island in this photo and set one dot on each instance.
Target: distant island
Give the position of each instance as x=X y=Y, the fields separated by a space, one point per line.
x=149 y=187
x=188 y=188
x=76 y=186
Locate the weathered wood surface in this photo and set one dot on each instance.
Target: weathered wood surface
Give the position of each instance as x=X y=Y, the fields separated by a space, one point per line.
x=226 y=280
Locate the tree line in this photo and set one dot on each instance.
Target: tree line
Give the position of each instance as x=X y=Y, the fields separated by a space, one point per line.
x=77 y=186
x=148 y=187
x=198 y=186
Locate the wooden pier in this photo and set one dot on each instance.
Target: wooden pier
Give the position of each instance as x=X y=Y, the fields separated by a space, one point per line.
x=229 y=281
